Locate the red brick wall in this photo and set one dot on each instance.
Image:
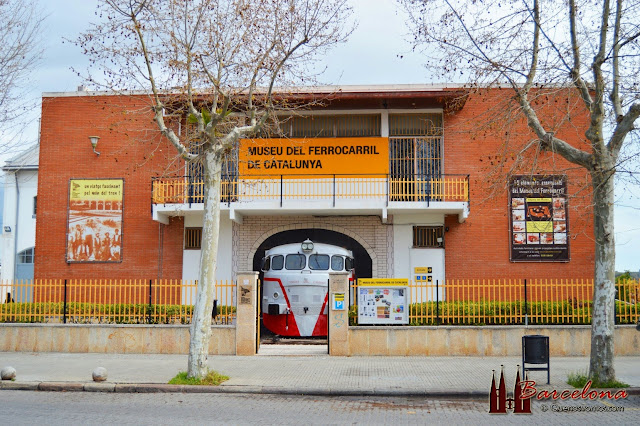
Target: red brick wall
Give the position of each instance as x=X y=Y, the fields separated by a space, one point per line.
x=132 y=149
x=479 y=247
x=128 y=151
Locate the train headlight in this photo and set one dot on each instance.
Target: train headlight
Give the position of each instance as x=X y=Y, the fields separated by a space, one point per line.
x=276 y=295
x=307 y=245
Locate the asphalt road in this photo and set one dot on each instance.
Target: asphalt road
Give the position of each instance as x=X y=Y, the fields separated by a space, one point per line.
x=84 y=408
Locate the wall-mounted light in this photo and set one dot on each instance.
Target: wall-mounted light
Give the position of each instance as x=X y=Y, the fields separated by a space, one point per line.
x=94 y=142
x=7 y=229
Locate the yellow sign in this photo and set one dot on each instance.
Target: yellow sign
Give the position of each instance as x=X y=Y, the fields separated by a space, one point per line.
x=539 y=226
x=383 y=282
x=423 y=270
x=316 y=156
x=96 y=189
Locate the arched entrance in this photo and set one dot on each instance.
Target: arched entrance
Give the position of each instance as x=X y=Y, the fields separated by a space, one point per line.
x=360 y=254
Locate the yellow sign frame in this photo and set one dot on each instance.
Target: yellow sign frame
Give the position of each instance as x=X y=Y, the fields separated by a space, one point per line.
x=382 y=282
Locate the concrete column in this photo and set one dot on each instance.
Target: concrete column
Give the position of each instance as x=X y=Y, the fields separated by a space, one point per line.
x=246 y=312
x=339 y=319
x=384 y=124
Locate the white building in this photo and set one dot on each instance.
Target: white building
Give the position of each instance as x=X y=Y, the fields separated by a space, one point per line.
x=19 y=227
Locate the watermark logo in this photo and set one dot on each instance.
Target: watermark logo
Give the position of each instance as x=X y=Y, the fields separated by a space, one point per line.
x=499 y=401
x=525 y=390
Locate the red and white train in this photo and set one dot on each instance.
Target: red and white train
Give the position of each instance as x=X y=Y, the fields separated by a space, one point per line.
x=295 y=287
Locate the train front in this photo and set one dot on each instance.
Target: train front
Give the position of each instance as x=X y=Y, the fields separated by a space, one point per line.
x=295 y=288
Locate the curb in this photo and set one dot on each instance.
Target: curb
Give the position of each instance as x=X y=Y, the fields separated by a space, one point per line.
x=240 y=389
x=231 y=389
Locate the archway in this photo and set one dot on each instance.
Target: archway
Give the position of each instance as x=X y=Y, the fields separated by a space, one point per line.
x=362 y=258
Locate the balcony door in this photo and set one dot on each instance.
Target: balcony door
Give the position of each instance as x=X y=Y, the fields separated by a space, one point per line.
x=415 y=168
x=415 y=157
x=229 y=178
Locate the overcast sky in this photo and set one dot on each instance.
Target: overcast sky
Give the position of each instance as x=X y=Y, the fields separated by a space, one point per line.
x=376 y=53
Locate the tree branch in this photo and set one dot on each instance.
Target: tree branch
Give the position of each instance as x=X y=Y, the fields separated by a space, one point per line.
x=536 y=47
x=615 y=90
x=624 y=126
x=158 y=106
x=547 y=139
x=575 y=48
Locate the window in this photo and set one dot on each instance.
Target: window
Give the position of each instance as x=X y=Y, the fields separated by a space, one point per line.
x=349 y=264
x=427 y=124
x=324 y=126
x=266 y=263
x=277 y=262
x=319 y=262
x=35 y=204
x=337 y=263
x=295 y=262
x=26 y=256
x=192 y=238
x=428 y=236
x=195 y=172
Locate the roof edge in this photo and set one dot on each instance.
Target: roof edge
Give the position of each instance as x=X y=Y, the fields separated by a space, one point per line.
x=390 y=88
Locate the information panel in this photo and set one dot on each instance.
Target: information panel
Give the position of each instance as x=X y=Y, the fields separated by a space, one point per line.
x=383 y=301
x=539 y=218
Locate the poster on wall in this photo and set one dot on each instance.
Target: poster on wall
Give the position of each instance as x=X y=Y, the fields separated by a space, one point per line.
x=539 y=218
x=94 y=231
x=383 y=301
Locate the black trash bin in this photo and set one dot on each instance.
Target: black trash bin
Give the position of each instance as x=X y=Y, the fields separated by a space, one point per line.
x=535 y=350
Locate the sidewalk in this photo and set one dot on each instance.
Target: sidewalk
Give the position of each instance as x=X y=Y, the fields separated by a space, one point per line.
x=468 y=377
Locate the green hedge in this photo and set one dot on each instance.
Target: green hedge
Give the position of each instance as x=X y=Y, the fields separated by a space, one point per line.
x=91 y=313
x=490 y=313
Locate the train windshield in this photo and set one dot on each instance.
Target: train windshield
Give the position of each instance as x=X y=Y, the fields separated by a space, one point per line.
x=319 y=262
x=295 y=262
x=277 y=262
x=337 y=263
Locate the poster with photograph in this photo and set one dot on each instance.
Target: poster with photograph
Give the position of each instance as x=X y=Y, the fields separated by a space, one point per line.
x=94 y=231
x=539 y=218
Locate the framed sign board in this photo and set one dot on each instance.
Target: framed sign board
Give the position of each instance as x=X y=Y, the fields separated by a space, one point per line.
x=383 y=301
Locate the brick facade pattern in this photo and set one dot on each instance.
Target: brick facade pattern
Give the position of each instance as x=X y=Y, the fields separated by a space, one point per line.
x=369 y=231
x=487 y=150
x=127 y=151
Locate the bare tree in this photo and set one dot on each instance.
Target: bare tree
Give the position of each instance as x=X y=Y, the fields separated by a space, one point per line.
x=216 y=64
x=590 y=46
x=20 y=50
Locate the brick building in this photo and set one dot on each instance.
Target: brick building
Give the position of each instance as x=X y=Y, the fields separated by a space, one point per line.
x=423 y=182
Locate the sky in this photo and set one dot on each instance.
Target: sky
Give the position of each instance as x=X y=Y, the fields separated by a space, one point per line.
x=376 y=53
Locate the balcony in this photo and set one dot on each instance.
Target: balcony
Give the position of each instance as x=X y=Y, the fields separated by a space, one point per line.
x=318 y=194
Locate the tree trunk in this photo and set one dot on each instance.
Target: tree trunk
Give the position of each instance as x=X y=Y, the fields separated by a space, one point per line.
x=201 y=321
x=603 y=312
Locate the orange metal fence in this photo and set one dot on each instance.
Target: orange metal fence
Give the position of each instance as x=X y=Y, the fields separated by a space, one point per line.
x=109 y=301
x=182 y=190
x=512 y=301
